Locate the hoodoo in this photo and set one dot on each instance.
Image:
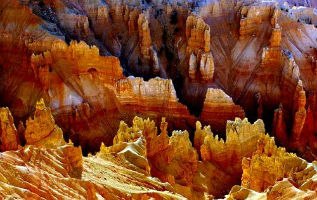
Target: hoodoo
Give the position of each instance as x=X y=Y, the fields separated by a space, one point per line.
x=172 y=99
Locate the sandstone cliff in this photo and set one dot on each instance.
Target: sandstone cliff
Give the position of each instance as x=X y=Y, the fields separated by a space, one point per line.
x=9 y=134
x=96 y=63
x=139 y=153
x=42 y=130
x=271 y=172
x=218 y=108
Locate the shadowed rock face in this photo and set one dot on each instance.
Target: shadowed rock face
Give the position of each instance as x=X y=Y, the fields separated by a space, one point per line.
x=95 y=63
x=262 y=55
x=145 y=164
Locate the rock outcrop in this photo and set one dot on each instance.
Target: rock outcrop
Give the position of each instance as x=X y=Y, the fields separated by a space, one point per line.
x=96 y=63
x=253 y=17
x=198 y=35
x=139 y=153
x=218 y=108
x=8 y=133
x=42 y=130
x=155 y=95
x=198 y=49
x=166 y=157
x=68 y=175
x=271 y=172
x=144 y=36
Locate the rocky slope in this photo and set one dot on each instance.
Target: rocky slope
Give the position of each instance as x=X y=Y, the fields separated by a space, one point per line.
x=96 y=63
x=142 y=164
x=260 y=54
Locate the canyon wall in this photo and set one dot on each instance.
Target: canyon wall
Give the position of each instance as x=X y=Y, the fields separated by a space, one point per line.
x=50 y=167
x=75 y=70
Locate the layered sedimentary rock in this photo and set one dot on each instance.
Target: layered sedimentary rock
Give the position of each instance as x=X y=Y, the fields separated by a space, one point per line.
x=65 y=87
x=42 y=130
x=252 y=18
x=198 y=49
x=94 y=64
x=241 y=139
x=218 y=45
x=8 y=132
x=271 y=172
x=140 y=153
x=219 y=107
x=68 y=175
x=223 y=158
x=205 y=66
x=167 y=157
x=164 y=157
x=144 y=36
x=156 y=95
x=200 y=56
x=198 y=35
x=100 y=82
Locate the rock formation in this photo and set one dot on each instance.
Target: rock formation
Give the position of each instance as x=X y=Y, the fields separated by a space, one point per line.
x=42 y=130
x=98 y=63
x=139 y=152
x=144 y=36
x=198 y=35
x=219 y=107
x=198 y=48
x=8 y=132
x=156 y=95
x=271 y=172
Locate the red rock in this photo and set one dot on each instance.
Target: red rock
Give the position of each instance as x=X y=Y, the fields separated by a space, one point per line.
x=218 y=108
x=8 y=132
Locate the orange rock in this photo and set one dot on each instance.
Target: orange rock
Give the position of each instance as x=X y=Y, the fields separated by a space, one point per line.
x=48 y=68
x=261 y=54
x=241 y=138
x=299 y=118
x=253 y=17
x=198 y=35
x=206 y=66
x=144 y=36
x=156 y=96
x=8 y=132
x=270 y=164
x=276 y=36
x=139 y=152
x=279 y=127
x=42 y=130
x=219 y=107
x=167 y=157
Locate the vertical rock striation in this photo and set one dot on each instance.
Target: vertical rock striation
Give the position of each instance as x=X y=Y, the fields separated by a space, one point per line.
x=8 y=133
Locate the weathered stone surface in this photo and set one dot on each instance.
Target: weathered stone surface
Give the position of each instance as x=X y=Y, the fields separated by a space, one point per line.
x=42 y=130
x=198 y=35
x=216 y=60
x=8 y=132
x=139 y=152
x=218 y=108
x=68 y=175
x=275 y=174
x=144 y=36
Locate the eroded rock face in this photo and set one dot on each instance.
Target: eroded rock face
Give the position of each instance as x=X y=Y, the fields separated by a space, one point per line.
x=8 y=132
x=175 y=160
x=96 y=63
x=271 y=172
x=219 y=107
x=42 y=130
x=140 y=153
x=246 y=48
